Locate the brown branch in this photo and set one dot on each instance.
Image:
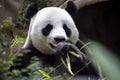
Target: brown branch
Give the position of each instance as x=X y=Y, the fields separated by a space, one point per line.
x=59 y=3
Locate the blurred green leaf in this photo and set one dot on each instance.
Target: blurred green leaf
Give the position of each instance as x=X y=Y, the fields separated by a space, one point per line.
x=44 y=73
x=108 y=62
x=7 y=23
x=17 y=40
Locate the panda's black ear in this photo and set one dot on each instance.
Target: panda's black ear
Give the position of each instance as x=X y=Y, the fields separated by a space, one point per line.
x=72 y=9
x=31 y=10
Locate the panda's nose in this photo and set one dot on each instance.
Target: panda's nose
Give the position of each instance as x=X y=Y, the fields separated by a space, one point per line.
x=59 y=39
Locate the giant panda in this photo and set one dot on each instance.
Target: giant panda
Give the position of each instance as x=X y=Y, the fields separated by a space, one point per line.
x=49 y=26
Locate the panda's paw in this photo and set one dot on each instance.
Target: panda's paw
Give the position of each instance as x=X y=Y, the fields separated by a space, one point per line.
x=64 y=48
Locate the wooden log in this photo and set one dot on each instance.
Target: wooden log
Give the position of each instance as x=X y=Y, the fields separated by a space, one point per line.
x=81 y=3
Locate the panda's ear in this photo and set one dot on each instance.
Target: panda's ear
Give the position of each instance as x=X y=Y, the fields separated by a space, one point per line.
x=31 y=10
x=72 y=9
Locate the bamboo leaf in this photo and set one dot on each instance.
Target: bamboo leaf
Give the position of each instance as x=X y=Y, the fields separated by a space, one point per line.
x=44 y=73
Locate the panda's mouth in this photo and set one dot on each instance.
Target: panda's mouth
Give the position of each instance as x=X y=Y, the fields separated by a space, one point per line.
x=53 y=45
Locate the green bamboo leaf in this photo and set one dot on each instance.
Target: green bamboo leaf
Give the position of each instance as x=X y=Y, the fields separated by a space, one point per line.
x=44 y=73
x=17 y=40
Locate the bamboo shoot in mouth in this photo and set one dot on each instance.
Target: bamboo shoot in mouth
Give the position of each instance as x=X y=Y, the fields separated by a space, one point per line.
x=67 y=49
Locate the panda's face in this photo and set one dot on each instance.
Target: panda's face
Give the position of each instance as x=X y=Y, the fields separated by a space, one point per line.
x=52 y=25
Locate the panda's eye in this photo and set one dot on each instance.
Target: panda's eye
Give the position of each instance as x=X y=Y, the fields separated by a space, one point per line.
x=47 y=29
x=67 y=30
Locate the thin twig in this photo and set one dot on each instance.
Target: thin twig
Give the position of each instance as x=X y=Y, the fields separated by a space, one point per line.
x=80 y=69
x=85 y=45
x=63 y=62
x=69 y=65
x=74 y=54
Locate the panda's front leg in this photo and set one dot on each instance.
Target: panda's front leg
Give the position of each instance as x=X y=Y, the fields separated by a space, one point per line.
x=80 y=63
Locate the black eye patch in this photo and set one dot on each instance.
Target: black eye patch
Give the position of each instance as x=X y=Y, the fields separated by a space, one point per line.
x=67 y=30
x=47 y=29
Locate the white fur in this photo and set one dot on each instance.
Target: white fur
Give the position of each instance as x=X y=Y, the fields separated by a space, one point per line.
x=57 y=17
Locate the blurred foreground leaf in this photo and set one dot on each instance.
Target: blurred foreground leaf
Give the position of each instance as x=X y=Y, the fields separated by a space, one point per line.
x=106 y=59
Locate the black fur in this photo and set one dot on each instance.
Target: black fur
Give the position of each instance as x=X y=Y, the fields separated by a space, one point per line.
x=67 y=30
x=47 y=29
x=31 y=10
x=72 y=10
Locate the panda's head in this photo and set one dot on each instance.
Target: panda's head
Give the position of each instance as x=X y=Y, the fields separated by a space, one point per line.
x=50 y=26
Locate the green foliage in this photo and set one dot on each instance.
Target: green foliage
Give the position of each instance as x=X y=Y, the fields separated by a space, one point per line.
x=4 y=66
x=17 y=41
x=46 y=75
x=7 y=23
x=7 y=47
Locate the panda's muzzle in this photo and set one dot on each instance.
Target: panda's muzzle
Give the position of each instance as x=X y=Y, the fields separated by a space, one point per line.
x=53 y=45
x=57 y=40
